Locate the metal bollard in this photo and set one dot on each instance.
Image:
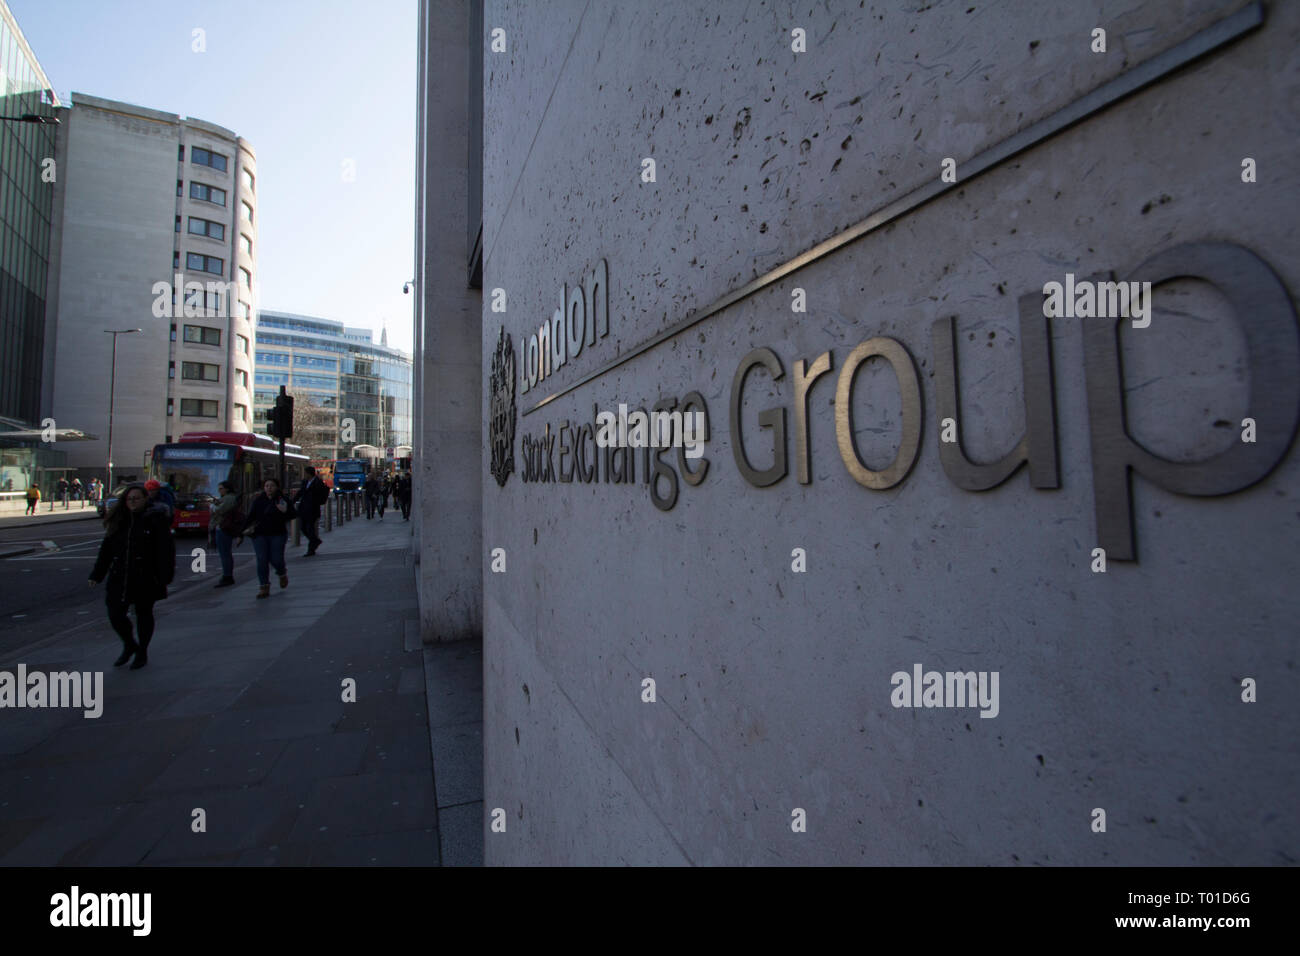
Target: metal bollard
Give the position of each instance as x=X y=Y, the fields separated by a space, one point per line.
x=297 y=532
x=329 y=515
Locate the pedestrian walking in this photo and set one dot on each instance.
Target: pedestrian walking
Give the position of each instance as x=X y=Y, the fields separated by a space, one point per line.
x=138 y=556
x=33 y=499
x=268 y=524
x=372 y=495
x=404 y=494
x=61 y=491
x=311 y=498
x=76 y=489
x=160 y=498
x=226 y=521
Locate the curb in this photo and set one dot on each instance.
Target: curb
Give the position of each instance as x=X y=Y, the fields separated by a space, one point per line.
x=15 y=554
x=36 y=524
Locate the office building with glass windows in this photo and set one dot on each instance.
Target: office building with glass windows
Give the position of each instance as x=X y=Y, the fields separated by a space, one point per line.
x=336 y=374
x=157 y=241
x=28 y=158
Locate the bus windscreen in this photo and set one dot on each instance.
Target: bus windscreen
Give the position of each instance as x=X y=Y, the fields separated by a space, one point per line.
x=193 y=474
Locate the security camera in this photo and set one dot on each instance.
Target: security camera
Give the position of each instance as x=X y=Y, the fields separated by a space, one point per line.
x=406 y=288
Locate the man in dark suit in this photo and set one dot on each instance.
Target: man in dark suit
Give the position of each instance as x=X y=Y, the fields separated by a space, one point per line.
x=311 y=497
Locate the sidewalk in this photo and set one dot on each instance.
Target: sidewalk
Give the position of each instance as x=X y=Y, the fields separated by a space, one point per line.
x=44 y=516
x=240 y=714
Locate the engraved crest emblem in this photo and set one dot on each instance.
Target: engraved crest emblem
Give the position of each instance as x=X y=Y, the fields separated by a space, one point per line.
x=501 y=420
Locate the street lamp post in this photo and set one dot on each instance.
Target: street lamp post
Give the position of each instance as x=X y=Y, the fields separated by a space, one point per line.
x=112 y=387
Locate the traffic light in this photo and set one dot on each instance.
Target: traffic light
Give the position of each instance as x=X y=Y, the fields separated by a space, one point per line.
x=283 y=416
x=279 y=418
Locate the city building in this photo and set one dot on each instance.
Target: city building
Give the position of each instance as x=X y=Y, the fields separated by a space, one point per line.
x=361 y=390
x=156 y=238
x=856 y=631
x=28 y=163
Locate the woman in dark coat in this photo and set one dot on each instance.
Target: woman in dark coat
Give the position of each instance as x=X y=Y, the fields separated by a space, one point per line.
x=268 y=523
x=138 y=556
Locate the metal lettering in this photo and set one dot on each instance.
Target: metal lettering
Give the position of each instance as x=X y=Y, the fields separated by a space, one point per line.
x=694 y=400
x=909 y=389
x=803 y=382
x=662 y=469
x=1264 y=313
x=769 y=417
x=1038 y=444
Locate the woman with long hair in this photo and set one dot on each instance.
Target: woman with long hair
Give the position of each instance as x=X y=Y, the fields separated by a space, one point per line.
x=268 y=523
x=138 y=556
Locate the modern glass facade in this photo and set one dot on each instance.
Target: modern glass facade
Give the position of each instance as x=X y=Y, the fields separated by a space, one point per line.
x=343 y=373
x=26 y=203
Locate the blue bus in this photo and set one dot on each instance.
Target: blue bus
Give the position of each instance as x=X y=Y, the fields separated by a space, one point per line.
x=349 y=474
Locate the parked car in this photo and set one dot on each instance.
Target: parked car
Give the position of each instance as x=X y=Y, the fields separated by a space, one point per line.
x=111 y=500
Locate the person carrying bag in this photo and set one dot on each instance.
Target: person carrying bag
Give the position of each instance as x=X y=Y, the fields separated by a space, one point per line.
x=268 y=525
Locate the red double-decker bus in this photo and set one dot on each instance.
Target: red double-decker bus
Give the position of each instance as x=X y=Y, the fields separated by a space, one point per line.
x=198 y=461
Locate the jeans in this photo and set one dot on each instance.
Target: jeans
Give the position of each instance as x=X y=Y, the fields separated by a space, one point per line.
x=224 y=542
x=270 y=551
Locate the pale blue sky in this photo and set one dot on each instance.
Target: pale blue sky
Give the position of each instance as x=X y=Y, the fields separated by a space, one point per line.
x=310 y=83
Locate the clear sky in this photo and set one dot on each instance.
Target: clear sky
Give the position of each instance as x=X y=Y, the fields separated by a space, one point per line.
x=310 y=84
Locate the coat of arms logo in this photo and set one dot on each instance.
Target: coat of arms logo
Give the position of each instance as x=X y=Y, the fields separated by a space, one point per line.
x=501 y=421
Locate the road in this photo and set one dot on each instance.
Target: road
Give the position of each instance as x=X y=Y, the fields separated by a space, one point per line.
x=45 y=592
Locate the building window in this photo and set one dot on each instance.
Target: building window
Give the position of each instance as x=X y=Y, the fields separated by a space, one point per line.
x=241 y=412
x=312 y=361
x=176 y=260
x=201 y=263
x=204 y=157
x=173 y=331
x=200 y=371
x=248 y=180
x=206 y=193
x=272 y=358
x=205 y=227
x=241 y=377
x=178 y=223
x=198 y=408
x=171 y=407
x=171 y=369
x=197 y=301
x=180 y=187
x=246 y=244
x=245 y=277
x=313 y=381
x=203 y=335
x=241 y=343
x=246 y=211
